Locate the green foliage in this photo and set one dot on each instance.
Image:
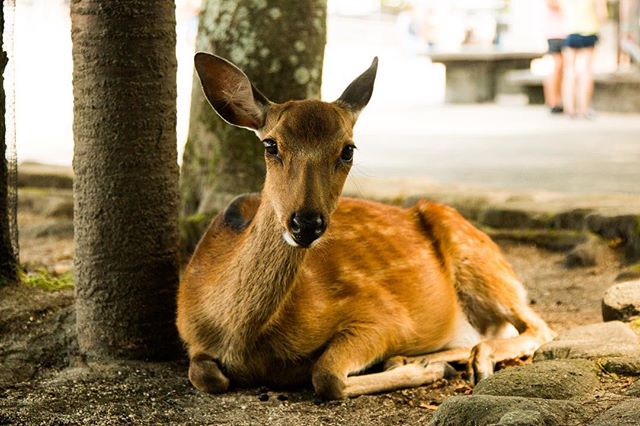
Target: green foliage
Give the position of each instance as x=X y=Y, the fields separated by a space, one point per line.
x=44 y=280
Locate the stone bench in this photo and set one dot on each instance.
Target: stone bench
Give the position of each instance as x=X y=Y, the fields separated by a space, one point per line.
x=614 y=92
x=475 y=76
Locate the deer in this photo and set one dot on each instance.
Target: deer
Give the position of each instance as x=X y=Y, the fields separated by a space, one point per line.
x=297 y=285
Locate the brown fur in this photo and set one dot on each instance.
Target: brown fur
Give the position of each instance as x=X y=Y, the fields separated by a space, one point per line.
x=382 y=283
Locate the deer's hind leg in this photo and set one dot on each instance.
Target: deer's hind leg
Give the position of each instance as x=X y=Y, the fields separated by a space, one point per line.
x=493 y=297
x=488 y=290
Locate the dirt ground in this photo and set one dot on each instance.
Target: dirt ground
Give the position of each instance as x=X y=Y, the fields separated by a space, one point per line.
x=43 y=380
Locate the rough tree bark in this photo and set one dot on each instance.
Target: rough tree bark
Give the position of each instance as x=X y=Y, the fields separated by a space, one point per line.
x=126 y=177
x=280 y=46
x=8 y=267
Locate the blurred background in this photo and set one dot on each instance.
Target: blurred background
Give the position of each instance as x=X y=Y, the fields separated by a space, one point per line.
x=415 y=127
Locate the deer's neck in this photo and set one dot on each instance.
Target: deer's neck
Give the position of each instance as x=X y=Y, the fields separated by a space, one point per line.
x=265 y=272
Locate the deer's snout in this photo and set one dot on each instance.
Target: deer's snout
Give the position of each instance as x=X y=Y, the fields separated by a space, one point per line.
x=306 y=227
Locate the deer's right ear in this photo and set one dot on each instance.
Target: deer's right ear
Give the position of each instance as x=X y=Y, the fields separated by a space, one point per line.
x=230 y=92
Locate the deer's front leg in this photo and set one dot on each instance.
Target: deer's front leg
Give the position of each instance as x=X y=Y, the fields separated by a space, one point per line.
x=205 y=374
x=352 y=353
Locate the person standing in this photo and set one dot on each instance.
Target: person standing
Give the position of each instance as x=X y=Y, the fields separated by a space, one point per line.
x=554 y=30
x=582 y=23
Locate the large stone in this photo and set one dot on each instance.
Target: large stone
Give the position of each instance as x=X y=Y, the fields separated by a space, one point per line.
x=618 y=227
x=621 y=301
x=626 y=413
x=521 y=418
x=629 y=273
x=634 y=389
x=56 y=228
x=35 y=175
x=590 y=253
x=558 y=379
x=624 y=365
x=601 y=340
x=505 y=410
x=549 y=239
x=509 y=218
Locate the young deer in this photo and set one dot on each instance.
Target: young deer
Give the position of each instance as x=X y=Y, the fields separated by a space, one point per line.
x=297 y=283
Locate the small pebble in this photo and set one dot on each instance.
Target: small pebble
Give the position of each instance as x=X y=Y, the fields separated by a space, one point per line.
x=263 y=397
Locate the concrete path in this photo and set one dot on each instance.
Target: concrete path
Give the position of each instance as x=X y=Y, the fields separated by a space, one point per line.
x=514 y=147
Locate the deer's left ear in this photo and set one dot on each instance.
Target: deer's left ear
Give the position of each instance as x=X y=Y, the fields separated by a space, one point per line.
x=356 y=96
x=230 y=92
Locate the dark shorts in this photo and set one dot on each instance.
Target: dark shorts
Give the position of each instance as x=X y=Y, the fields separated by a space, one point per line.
x=555 y=45
x=579 y=41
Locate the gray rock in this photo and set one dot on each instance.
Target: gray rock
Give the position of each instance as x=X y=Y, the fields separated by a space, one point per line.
x=621 y=301
x=608 y=339
x=550 y=239
x=521 y=418
x=634 y=389
x=589 y=253
x=504 y=217
x=625 y=365
x=62 y=228
x=59 y=207
x=630 y=273
x=624 y=414
x=44 y=176
x=490 y=410
x=571 y=219
x=558 y=379
x=625 y=227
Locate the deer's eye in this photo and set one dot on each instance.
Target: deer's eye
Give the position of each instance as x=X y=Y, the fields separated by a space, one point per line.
x=270 y=146
x=347 y=153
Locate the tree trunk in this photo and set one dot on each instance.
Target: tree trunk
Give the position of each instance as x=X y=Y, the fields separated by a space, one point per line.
x=8 y=267
x=279 y=44
x=126 y=177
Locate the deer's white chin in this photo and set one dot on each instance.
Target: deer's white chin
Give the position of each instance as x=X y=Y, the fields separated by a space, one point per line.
x=289 y=239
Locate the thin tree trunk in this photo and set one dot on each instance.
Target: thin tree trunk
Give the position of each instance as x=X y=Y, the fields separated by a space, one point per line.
x=280 y=46
x=126 y=177
x=8 y=267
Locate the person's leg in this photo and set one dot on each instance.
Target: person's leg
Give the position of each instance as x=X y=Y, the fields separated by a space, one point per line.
x=558 y=75
x=569 y=56
x=585 y=83
x=552 y=85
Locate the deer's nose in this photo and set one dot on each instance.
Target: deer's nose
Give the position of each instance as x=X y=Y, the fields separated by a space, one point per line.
x=306 y=227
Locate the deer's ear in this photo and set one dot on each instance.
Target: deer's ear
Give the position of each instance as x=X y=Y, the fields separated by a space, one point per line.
x=230 y=92
x=356 y=96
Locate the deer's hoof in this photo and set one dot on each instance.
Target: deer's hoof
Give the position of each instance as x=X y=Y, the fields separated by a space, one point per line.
x=481 y=363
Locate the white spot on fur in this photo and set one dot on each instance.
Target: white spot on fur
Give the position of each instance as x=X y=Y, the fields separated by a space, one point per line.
x=289 y=239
